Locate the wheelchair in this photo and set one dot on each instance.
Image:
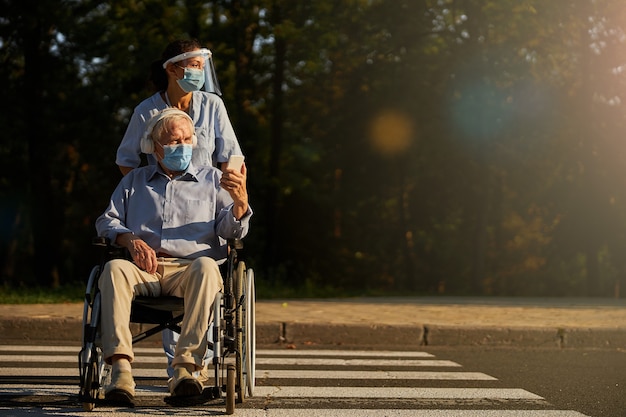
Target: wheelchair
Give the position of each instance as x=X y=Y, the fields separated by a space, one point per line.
x=233 y=337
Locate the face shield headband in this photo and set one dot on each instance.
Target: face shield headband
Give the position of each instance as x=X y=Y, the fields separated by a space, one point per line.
x=210 y=78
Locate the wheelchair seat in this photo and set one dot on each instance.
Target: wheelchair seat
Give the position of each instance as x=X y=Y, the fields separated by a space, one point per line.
x=165 y=311
x=162 y=303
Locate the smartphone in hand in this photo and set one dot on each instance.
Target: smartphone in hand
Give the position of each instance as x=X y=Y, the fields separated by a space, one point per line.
x=235 y=162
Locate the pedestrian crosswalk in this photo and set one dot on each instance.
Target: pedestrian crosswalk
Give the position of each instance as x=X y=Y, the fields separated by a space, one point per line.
x=291 y=383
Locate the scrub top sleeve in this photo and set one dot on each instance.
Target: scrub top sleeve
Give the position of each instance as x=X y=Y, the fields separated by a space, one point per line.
x=129 y=150
x=226 y=143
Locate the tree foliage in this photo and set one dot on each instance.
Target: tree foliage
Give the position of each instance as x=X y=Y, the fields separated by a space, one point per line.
x=430 y=146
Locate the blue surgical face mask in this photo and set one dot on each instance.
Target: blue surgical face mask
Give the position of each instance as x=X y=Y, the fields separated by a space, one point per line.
x=177 y=157
x=192 y=80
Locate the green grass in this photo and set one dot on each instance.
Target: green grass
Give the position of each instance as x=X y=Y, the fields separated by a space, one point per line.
x=69 y=293
x=75 y=293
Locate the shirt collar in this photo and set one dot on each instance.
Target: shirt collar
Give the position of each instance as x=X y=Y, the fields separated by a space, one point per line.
x=191 y=174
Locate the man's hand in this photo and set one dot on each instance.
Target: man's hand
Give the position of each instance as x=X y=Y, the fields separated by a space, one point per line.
x=235 y=183
x=142 y=254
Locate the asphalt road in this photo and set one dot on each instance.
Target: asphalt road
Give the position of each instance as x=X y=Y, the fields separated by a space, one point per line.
x=591 y=381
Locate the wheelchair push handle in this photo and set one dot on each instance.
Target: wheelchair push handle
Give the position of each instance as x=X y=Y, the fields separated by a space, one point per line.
x=235 y=243
x=101 y=241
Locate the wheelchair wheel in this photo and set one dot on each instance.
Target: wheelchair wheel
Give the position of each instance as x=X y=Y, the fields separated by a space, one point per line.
x=90 y=359
x=91 y=380
x=246 y=336
x=90 y=387
x=239 y=289
x=231 y=374
x=249 y=334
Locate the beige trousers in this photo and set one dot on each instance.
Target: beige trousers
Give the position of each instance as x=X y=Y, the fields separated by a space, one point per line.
x=197 y=281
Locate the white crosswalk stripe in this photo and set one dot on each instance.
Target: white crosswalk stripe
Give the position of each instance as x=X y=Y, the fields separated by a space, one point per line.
x=400 y=393
x=292 y=383
x=290 y=374
x=269 y=361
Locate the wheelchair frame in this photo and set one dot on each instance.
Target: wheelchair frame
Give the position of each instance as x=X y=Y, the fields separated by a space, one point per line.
x=233 y=331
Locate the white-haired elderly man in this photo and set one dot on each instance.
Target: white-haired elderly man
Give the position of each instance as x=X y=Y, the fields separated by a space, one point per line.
x=173 y=218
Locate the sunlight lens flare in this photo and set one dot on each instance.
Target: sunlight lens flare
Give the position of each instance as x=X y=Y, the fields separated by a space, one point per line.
x=391 y=132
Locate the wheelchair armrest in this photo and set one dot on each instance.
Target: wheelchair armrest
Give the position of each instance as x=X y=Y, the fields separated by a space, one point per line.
x=108 y=249
x=101 y=241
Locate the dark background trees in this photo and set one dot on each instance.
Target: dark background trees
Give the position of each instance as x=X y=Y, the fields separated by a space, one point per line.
x=394 y=147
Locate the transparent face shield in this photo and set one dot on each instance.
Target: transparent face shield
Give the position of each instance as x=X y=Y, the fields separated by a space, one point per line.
x=210 y=78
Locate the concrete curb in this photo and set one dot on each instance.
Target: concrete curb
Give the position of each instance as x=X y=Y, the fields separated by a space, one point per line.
x=426 y=335
x=68 y=330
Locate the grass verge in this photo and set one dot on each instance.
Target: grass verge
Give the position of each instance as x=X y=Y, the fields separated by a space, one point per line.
x=68 y=293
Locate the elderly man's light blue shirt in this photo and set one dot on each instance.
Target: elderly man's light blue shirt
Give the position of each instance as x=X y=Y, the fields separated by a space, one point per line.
x=185 y=217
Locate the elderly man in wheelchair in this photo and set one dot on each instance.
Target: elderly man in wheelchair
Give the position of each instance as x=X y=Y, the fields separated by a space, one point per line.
x=173 y=219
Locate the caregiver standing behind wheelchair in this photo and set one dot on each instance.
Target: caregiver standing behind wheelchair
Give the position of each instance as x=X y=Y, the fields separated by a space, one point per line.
x=179 y=76
x=172 y=217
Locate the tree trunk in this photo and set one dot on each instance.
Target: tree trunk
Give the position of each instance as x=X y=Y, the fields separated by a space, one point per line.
x=46 y=216
x=273 y=203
